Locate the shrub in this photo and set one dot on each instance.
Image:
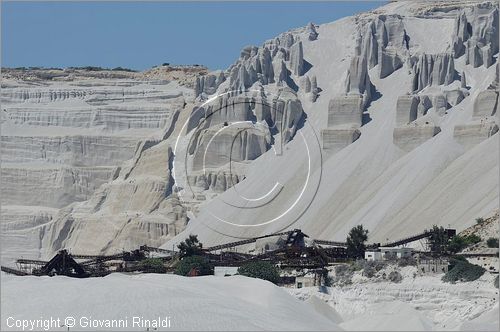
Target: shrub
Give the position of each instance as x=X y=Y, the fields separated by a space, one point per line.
x=458 y=243
x=463 y=271
x=261 y=270
x=372 y=267
x=152 y=265
x=343 y=274
x=201 y=264
x=358 y=264
x=395 y=276
x=407 y=261
x=472 y=239
x=492 y=242
x=123 y=69
x=479 y=221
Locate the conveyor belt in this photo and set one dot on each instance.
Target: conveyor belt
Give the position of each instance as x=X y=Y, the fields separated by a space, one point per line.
x=31 y=261
x=14 y=271
x=247 y=241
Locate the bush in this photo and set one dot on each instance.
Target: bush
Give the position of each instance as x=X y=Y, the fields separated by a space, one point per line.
x=261 y=270
x=458 y=243
x=201 y=264
x=472 y=239
x=408 y=261
x=343 y=273
x=123 y=69
x=463 y=271
x=492 y=242
x=395 y=276
x=372 y=267
x=358 y=265
x=479 y=221
x=152 y=265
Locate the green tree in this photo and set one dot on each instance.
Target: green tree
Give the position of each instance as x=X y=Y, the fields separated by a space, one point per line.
x=356 y=242
x=190 y=246
x=492 y=242
x=479 y=221
x=261 y=270
x=199 y=263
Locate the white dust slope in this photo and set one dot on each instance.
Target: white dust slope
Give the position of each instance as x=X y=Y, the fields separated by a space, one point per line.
x=203 y=303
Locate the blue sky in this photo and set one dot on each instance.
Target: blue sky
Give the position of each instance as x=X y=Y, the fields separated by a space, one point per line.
x=139 y=35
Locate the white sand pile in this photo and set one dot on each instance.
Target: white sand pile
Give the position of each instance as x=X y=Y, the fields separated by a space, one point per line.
x=202 y=303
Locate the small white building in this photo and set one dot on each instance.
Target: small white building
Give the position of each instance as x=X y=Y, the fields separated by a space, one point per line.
x=305 y=282
x=386 y=253
x=373 y=255
x=223 y=271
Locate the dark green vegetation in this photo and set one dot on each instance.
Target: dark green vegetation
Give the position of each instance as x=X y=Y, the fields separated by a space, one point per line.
x=197 y=265
x=492 y=242
x=458 y=243
x=152 y=265
x=190 y=246
x=461 y=270
x=356 y=242
x=260 y=269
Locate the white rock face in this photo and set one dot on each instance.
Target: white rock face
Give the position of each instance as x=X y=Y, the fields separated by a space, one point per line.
x=406 y=109
x=335 y=140
x=64 y=138
x=476 y=34
x=345 y=110
x=297 y=58
x=409 y=137
x=472 y=134
x=432 y=69
x=485 y=104
x=387 y=165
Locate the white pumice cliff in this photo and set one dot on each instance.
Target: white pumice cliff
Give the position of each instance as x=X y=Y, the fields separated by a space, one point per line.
x=386 y=119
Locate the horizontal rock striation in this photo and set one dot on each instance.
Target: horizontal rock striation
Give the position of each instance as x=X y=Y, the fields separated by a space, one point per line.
x=472 y=134
x=69 y=150
x=345 y=110
x=409 y=137
x=335 y=140
x=50 y=186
